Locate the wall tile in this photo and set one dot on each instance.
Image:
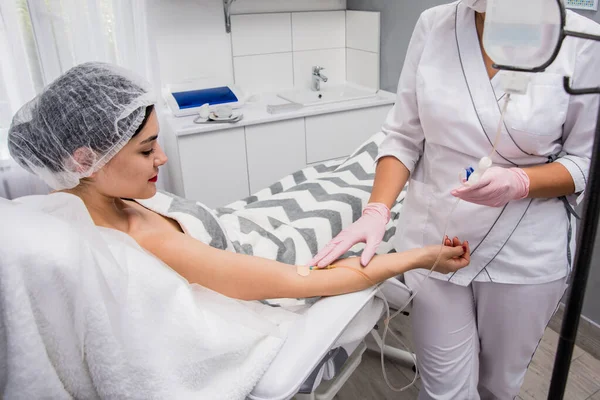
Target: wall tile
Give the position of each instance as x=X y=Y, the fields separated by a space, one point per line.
x=362 y=68
x=264 y=73
x=363 y=30
x=319 y=30
x=261 y=34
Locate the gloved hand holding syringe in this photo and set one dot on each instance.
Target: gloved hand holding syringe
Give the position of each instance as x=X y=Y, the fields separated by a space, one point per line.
x=493 y=186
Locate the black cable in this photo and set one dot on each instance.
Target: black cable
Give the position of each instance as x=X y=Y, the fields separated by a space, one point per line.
x=583 y=262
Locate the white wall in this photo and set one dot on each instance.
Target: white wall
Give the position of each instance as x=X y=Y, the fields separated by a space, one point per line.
x=190 y=37
x=191 y=42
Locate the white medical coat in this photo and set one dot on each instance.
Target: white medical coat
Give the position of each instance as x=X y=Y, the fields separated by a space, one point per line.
x=445 y=119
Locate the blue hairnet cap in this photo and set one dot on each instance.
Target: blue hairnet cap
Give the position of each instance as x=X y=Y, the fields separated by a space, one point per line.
x=78 y=123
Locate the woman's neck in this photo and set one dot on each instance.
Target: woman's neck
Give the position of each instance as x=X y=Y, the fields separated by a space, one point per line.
x=480 y=23
x=105 y=211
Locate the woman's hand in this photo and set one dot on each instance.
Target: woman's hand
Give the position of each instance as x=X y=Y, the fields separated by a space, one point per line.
x=369 y=228
x=496 y=188
x=453 y=256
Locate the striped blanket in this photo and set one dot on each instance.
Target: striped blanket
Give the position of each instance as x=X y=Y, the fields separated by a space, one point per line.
x=293 y=218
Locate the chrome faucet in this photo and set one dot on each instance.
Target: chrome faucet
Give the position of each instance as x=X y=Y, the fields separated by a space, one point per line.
x=317 y=77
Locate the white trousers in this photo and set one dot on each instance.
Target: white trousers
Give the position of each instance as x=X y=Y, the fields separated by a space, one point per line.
x=476 y=342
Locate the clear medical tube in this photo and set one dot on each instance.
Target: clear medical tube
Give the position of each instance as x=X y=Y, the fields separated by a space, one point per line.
x=499 y=130
x=388 y=318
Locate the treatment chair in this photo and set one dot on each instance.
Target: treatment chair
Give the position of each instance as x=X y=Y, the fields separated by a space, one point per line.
x=325 y=345
x=326 y=342
x=312 y=365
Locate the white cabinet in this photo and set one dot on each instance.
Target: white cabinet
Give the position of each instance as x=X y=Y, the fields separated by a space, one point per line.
x=330 y=136
x=214 y=167
x=274 y=150
x=226 y=165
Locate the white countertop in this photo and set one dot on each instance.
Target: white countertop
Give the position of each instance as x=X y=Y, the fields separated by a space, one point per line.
x=256 y=113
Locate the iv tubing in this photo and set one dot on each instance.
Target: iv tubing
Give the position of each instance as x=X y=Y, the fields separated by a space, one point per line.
x=499 y=130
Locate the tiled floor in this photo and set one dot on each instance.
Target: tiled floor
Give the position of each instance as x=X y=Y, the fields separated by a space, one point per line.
x=584 y=381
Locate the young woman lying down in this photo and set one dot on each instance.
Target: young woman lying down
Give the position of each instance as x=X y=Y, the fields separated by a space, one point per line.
x=93 y=133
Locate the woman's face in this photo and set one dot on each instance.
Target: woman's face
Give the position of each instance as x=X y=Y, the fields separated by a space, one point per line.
x=133 y=172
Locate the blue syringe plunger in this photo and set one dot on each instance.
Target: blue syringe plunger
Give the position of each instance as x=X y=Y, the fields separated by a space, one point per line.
x=469 y=171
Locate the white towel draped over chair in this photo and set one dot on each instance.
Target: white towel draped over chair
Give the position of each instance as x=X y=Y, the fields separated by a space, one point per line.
x=87 y=313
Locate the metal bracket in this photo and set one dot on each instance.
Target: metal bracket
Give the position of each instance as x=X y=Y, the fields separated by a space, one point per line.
x=226 y=9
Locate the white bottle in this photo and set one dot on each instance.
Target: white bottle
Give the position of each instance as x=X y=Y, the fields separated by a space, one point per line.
x=483 y=165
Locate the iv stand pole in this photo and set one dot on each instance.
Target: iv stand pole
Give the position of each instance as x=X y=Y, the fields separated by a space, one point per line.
x=583 y=262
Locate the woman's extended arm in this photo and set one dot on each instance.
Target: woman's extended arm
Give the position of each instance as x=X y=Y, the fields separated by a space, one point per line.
x=254 y=278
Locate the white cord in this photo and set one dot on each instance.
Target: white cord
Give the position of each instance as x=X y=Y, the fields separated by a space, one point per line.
x=414 y=293
x=499 y=130
x=385 y=330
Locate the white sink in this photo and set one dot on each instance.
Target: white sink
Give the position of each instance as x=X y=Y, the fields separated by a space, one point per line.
x=327 y=94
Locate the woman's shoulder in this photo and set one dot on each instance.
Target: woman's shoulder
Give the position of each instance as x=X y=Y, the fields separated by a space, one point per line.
x=442 y=14
x=584 y=53
x=441 y=10
x=579 y=23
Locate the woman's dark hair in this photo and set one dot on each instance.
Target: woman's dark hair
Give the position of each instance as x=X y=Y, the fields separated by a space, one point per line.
x=145 y=120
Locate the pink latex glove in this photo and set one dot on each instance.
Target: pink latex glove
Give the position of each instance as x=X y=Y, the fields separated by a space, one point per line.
x=496 y=187
x=369 y=228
